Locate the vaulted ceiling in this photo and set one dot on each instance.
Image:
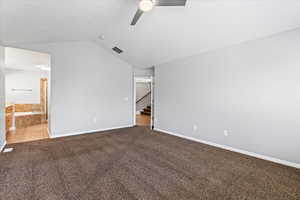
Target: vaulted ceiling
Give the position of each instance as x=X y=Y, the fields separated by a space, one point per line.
x=162 y=35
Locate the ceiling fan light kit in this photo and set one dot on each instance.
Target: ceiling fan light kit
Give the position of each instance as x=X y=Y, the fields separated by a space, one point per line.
x=148 y=5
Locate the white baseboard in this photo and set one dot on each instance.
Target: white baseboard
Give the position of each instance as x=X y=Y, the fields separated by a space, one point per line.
x=89 y=131
x=268 y=158
x=48 y=131
x=2 y=147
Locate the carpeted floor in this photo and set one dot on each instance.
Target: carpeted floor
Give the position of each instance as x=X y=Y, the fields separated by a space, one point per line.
x=136 y=163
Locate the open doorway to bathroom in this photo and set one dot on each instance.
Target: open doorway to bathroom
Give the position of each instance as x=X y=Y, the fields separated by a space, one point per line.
x=27 y=87
x=143 y=101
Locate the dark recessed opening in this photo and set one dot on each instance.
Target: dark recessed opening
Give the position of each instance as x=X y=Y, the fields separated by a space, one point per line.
x=117 y=50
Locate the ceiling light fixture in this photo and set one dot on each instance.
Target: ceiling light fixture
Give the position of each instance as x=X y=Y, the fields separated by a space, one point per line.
x=42 y=67
x=146 y=5
x=46 y=68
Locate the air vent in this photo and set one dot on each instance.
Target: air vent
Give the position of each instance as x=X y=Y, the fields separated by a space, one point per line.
x=117 y=50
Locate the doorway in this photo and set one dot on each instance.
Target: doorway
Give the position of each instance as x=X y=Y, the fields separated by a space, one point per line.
x=143 y=108
x=27 y=95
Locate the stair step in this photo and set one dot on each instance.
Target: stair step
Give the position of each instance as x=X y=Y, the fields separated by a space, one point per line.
x=147 y=109
x=145 y=113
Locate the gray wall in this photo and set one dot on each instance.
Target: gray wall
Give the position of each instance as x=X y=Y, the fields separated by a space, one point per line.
x=2 y=98
x=23 y=79
x=251 y=90
x=90 y=88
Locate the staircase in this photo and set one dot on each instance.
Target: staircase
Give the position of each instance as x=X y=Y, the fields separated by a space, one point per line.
x=147 y=111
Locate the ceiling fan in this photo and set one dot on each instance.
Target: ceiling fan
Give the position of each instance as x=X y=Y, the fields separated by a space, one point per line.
x=148 y=5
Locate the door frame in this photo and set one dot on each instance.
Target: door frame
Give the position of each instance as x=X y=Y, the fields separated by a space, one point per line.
x=138 y=79
x=49 y=84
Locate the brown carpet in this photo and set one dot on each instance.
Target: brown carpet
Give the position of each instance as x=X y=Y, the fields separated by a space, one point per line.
x=136 y=163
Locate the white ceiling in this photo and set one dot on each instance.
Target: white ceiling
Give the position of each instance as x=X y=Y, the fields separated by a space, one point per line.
x=162 y=35
x=25 y=60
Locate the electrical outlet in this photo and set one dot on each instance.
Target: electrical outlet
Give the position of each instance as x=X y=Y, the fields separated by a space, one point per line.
x=195 y=127
x=226 y=132
x=126 y=98
x=95 y=120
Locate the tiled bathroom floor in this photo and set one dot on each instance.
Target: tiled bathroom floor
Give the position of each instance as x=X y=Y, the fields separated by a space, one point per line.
x=31 y=133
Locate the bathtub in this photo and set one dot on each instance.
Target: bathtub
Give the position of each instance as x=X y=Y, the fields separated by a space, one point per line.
x=25 y=119
x=18 y=114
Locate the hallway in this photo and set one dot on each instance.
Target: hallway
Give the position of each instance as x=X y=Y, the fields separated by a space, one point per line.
x=142 y=120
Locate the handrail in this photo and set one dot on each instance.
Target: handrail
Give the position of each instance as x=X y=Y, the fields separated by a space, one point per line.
x=143 y=97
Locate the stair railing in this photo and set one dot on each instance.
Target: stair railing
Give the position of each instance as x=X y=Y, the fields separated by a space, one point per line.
x=143 y=97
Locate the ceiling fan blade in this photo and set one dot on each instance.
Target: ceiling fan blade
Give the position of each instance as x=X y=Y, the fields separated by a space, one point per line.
x=170 y=2
x=136 y=17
